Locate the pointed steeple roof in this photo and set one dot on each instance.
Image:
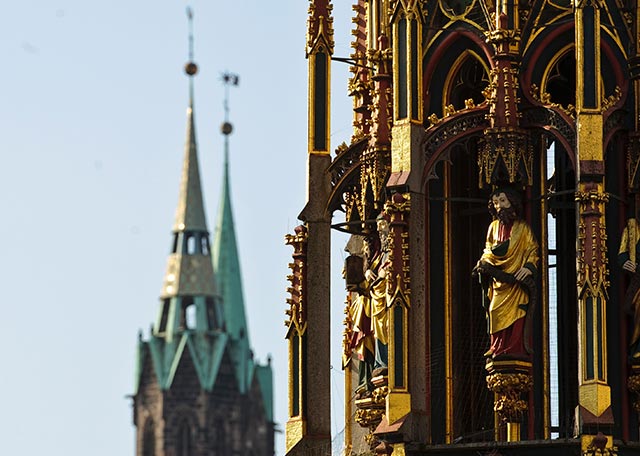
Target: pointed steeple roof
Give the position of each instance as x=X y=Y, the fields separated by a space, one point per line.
x=226 y=264
x=190 y=322
x=226 y=260
x=189 y=271
x=214 y=336
x=190 y=214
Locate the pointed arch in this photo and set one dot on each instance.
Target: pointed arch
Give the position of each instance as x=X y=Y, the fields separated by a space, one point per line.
x=467 y=78
x=149 y=438
x=184 y=438
x=445 y=54
x=545 y=55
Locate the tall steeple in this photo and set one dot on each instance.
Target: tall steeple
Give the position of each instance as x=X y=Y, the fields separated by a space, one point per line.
x=225 y=251
x=226 y=262
x=198 y=391
x=189 y=289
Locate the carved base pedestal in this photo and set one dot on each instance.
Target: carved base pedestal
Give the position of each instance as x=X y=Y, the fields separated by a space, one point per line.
x=633 y=383
x=598 y=445
x=370 y=409
x=509 y=380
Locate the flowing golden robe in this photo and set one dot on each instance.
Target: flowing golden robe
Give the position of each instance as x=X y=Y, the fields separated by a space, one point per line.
x=369 y=311
x=379 y=304
x=508 y=302
x=368 y=314
x=628 y=251
x=362 y=336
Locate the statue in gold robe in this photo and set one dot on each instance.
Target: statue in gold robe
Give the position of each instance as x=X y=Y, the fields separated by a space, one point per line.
x=359 y=343
x=627 y=259
x=367 y=314
x=507 y=269
x=376 y=276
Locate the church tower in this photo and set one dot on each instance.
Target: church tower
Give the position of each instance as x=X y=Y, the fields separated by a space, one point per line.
x=491 y=191
x=198 y=390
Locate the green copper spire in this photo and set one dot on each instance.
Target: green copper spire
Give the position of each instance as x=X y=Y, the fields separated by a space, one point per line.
x=225 y=251
x=226 y=263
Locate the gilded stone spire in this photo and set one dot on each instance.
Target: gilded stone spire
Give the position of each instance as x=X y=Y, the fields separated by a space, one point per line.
x=189 y=270
x=189 y=267
x=190 y=212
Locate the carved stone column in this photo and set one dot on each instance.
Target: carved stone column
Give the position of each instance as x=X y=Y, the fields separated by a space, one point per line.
x=296 y=323
x=399 y=292
x=510 y=381
x=311 y=428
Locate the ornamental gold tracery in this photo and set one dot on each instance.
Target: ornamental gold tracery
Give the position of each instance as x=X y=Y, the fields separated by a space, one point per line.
x=296 y=318
x=633 y=162
x=320 y=26
x=398 y=208
x=369 y=172
x=510 y=148
x=415 y=6
x=509 y=389
x=361 y=91
x=360 y=85
x=592 y=273
x=598 y=445
x=506 y=151
x=374 y=173
x=633 y=383
x=347 y=331
x=381 y=107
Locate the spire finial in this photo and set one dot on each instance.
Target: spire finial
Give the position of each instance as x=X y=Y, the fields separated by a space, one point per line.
x=190 y=68
x=228 y=79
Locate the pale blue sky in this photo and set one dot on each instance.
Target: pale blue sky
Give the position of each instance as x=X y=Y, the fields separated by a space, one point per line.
x=92 y=128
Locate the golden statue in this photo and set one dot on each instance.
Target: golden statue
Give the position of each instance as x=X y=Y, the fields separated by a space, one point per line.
x=360 y=342
x=366 y=276
x=376 y=276
x=507 y=269
x=627 y=259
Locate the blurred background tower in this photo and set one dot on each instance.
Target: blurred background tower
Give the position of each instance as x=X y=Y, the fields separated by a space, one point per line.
x=198 y=389
x=452 y=100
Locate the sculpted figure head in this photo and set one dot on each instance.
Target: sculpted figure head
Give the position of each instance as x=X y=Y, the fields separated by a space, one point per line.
x=505 y=205
x=382 y=225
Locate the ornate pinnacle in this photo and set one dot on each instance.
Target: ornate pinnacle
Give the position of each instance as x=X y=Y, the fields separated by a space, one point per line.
x=320 y=25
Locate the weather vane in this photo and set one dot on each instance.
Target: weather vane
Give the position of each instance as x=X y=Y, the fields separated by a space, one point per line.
x=228 y=79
